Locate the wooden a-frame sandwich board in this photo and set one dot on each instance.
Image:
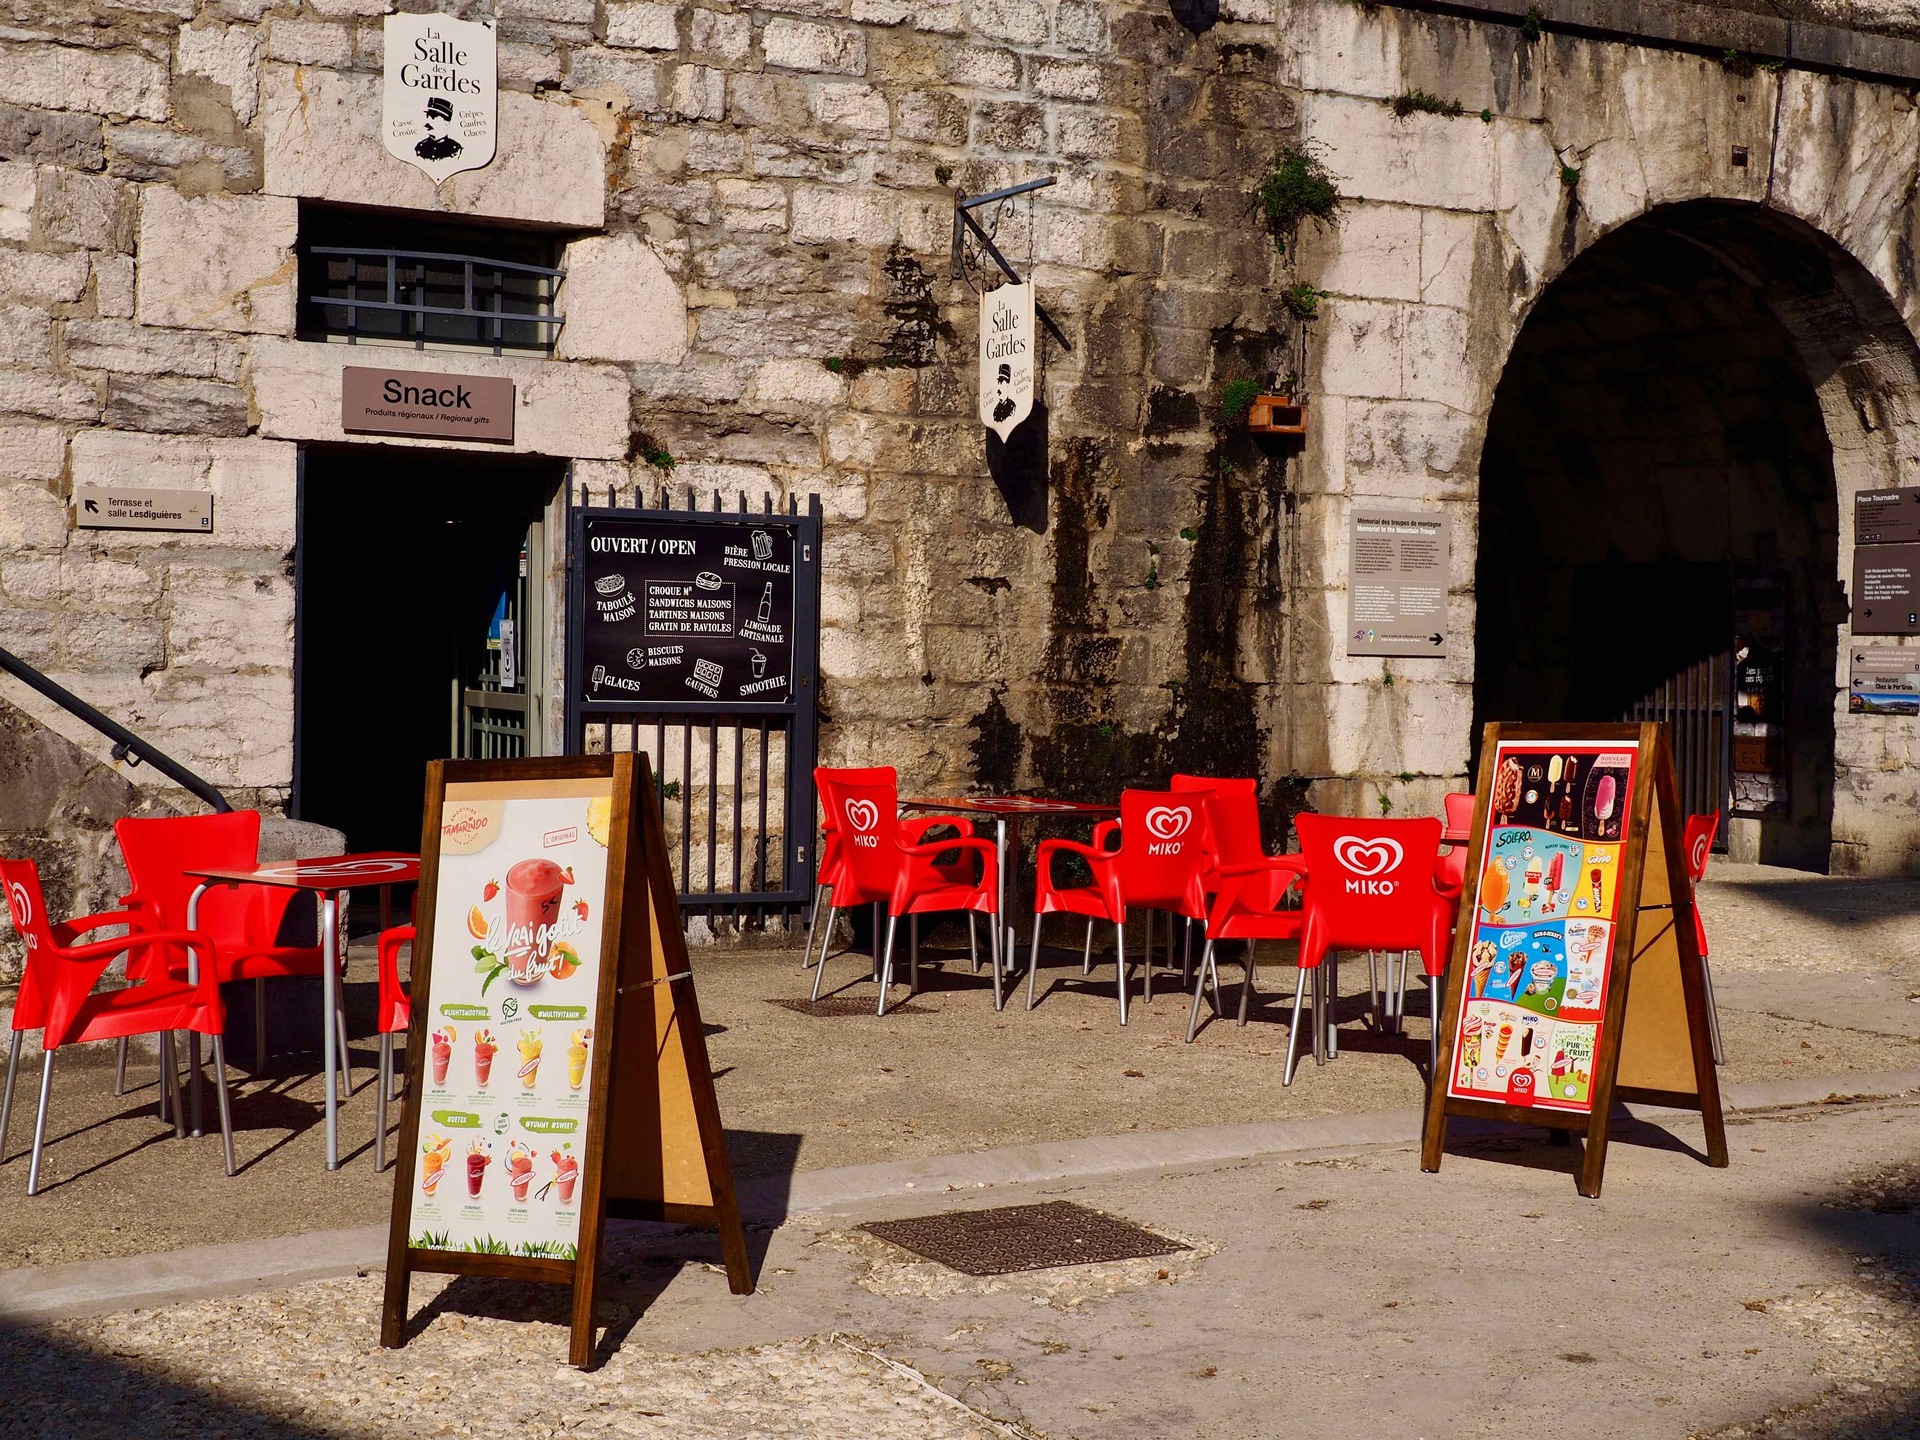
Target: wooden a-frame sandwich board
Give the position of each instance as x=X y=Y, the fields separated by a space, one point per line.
x=1633 y=1008
x=519 y=835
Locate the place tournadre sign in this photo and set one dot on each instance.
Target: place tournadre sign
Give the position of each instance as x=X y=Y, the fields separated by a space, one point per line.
x=426 y=406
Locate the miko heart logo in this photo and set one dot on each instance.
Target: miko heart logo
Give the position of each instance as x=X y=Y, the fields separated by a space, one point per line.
x=863 y=815
x=21 y=903
x=1700 y=855
x=1368 y=857
x=1169 y=822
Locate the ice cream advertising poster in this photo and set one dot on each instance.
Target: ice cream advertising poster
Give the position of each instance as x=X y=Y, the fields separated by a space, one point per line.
x=1544 y=921
x=519 y=905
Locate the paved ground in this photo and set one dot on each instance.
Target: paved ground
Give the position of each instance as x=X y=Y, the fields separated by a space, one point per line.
x=1814 y=975
x=1322 y=1291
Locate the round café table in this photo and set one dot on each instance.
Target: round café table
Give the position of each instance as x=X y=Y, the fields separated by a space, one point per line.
x=329 y=877
x=1006 y=812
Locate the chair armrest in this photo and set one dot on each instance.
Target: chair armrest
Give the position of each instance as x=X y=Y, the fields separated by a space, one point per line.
x=957 y=842
x=1104 y=832
x=917 y=825
x=65 y=932
x=1295 y=864
x=197 y=940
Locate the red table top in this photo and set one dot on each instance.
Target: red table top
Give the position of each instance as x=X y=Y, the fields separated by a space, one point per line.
x=1010 y=805
x=327 y=872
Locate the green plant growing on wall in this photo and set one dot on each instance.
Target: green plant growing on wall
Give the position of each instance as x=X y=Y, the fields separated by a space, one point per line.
x=1386 y=805
x=1406 y=777
x=1236 y=398
x=1419 y=101
x=653 y=452
x=1534 y=25
x=1297 y=188
x=671 y=790
x=1153 y=566
x=1486 y=117
x=1736 y=63
x=1187 y=532
x=1303 y=300
x=1569 y=176
x=943 y=173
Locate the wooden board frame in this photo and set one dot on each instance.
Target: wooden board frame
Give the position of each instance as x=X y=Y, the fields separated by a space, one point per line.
x=643 y=956
x=1651 y=934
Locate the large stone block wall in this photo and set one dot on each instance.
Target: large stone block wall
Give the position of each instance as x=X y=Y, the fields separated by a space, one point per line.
x=760 y=288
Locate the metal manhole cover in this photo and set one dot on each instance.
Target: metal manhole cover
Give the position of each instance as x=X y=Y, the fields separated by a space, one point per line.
x=842 y=1005
x=1022 y=1237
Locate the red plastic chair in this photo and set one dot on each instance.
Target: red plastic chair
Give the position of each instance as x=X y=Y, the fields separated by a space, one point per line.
x=57 y=998
x=1233 y=817
x=244 y=919
x=394 y=1017
x=881 y=866
x=1247 y=908
x=1372 y=888
x=1699 y=845
x=1161 y=863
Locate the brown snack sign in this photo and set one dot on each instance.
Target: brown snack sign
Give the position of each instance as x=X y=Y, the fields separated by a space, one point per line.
x=426 y=406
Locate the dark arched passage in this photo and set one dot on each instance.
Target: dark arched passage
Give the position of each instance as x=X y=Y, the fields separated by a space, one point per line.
x=1658 y=514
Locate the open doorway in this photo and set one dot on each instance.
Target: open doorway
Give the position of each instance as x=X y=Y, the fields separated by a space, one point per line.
x=1659 y=520
x=420 y=617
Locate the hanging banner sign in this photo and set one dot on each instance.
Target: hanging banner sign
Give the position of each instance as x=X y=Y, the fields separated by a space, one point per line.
x=1883 y=680
x=1397 y=582
x=441 y=94
x=1006 y=357
x=1575 y=887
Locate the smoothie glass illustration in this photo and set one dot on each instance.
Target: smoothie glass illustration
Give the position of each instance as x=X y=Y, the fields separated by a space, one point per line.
x=533 y=908
x=442 y=1051
x=577 y=1059
x=519 y=1168
x=530 y=1045
x=435 y=1151
x=477 y=1161
x=484 y=1047
x=566 y=1174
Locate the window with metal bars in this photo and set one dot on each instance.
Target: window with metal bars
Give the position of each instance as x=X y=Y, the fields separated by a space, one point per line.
x=369 y=278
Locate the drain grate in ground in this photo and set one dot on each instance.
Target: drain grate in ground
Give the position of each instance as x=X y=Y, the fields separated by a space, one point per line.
x=841 y=1005
x=1022 y=1237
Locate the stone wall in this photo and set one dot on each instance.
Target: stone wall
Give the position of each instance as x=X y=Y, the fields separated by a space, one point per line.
x=763 y=201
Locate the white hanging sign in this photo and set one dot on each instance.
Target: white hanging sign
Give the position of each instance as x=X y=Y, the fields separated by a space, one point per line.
x=442 y=93
x=1006 y=357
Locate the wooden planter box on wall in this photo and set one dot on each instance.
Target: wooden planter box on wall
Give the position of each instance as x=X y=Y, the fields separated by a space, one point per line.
x=1277 y=415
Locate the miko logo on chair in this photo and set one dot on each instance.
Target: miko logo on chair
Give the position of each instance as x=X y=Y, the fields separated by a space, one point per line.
x=1368 y=859
x=1167 y=823
x=864 y=815
x=21 y=904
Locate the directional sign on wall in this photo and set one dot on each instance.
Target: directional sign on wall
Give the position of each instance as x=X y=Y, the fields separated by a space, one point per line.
x=1397 y=582
x=109 y=507
x=1006 y=357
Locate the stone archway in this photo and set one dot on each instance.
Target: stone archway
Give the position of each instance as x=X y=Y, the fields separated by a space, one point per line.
x=1682 y=421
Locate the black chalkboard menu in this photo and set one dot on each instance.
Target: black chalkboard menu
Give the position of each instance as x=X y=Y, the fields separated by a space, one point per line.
x=694 y=612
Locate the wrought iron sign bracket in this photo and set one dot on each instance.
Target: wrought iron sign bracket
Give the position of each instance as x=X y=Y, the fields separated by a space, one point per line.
x=970 y=236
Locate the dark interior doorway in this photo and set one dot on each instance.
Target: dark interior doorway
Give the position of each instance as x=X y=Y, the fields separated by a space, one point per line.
x=408 y=562
x=1658 y=527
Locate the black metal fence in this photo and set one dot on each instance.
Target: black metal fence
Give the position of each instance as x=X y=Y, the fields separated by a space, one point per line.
x=735 y=776
x=1696 y=706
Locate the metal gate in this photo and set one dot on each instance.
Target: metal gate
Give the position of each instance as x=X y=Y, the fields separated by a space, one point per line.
x=1696 y=706
x=694 y=636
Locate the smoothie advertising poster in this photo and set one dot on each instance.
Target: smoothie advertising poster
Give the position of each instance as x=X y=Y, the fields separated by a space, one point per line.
x=1541 y=957
x=518 y=914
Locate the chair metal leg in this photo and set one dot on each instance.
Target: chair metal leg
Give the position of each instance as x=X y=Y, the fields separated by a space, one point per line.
x=886 y=966
x=165 y=1085
x=6 y=1102
x=380 y=1108
x=1120 y=965
x=1713 y=1012
x=1293 y=1030
x=876 y=940
x=120 y=1066
x=820 y=970
x=1332 y=992
x=220 y=1089
x=340 y=1032
x=1086 y=953
x=1000 y=964
x=1373 y=990
x=1246 y=988
x=973 y=944
x=913 y=955
x=170 y=1085
x=813 y=926
x=1033 y=959
x=40 y=1123
x=260 y=1027
x=1320 y=1014
x=1193 y=1020
x=1146 y=997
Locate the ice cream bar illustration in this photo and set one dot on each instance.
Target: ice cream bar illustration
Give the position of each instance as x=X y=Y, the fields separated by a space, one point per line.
x=577 y=1058
x=1603 y=798
x=533 y=907
x=477 y=1161
x=1516 y=962
x=1556 y=870
x=484 y=1048
x=566 y=1175
x=1502 y=1039
x=1593 y=879
x=1526 y=1037
x=435 y=1151
x=1531 y=893
x=1507 y=781
x=442 y=1051
x=529 y=1058
x=519 y=1168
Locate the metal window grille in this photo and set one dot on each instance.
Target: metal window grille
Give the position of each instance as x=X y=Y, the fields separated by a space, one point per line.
x=378 y=295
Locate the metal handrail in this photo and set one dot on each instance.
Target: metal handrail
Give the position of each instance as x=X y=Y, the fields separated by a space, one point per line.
x=127 y=746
